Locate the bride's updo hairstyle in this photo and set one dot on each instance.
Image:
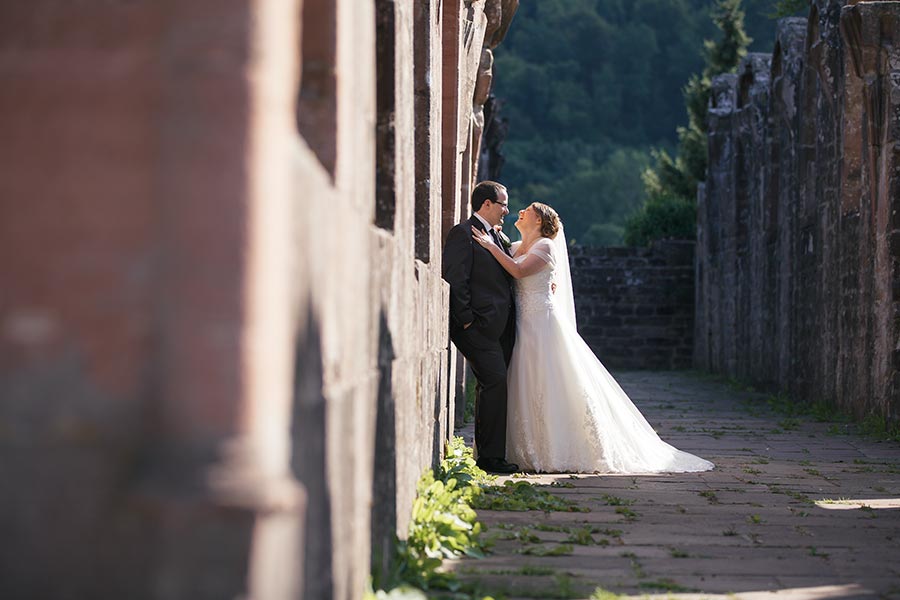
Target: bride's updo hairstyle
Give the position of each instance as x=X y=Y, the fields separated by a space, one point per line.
x=549 y=219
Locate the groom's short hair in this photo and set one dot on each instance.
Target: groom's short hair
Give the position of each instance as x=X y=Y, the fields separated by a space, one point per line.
x=486 y=190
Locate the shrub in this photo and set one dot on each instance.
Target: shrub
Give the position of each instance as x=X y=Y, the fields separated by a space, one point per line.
x=663 y=217
x=443 y=525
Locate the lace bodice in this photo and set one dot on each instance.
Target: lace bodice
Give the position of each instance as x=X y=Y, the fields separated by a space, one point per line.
x=533 y=293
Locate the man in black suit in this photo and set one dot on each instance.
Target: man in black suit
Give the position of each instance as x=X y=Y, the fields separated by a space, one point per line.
x=482 y=319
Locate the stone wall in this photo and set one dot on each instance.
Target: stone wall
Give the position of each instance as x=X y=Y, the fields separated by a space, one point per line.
x=797 y=262
x=223 y=351
x=635 y=306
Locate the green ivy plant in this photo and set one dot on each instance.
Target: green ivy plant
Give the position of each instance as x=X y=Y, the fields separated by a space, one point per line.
x=443 y=523
x=523 y=496
x=459 y=464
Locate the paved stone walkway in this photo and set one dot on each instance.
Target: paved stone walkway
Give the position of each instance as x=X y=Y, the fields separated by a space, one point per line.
x=794 y=509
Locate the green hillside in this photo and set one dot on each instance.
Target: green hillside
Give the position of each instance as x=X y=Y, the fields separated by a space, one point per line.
x=589 y=88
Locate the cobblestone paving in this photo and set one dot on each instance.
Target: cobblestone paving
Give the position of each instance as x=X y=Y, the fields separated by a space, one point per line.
x=794 y=509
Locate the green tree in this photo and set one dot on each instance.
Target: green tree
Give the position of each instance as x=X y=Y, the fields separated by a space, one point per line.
x=595 y=191
x=724 y=55
x=663 y=217
x=584 y=79
x=672 y=179
x=679 y=176
x=787 y=8
x=603 y=234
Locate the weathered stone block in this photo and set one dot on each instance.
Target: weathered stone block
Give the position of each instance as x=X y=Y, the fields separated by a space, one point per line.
x=633 y=297
x=227 y=363
x=796 y=225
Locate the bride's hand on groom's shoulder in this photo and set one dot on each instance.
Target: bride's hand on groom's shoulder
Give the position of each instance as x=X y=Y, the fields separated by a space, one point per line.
x=481 y=237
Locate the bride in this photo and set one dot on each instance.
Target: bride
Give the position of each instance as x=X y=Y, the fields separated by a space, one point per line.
x=566 y=413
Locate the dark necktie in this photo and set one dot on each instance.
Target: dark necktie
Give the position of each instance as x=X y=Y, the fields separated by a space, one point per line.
x=499 y=242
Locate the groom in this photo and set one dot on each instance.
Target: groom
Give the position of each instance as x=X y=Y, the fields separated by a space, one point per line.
x=482 y=319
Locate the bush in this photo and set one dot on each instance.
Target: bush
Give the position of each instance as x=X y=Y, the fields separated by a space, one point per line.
x=664 y=217
x=443 y=525
x=603 y=234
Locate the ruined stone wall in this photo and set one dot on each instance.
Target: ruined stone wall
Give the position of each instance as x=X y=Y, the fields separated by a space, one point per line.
x=223 y=351
x=795 y=260
x=472 y=29
x=635 y=306
x=146 y=319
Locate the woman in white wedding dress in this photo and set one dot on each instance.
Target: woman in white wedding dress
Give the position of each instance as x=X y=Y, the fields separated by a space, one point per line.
x=566 y=413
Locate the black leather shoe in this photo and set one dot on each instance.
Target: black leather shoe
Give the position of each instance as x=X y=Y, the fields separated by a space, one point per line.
x=497 y=465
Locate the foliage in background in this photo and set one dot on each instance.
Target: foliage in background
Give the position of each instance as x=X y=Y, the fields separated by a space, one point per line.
x=671 y=184
x=591 y=87
x=664 y=216
x=679 y=175
x=787 y=8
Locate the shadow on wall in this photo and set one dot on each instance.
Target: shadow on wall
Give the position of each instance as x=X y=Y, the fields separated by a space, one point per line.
x=308 y=432
x=439 y=434
x=384 y=480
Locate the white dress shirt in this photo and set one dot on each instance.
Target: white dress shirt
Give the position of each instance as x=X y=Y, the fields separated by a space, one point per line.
x=487 y=227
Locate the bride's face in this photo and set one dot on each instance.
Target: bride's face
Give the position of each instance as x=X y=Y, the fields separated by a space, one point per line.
x=528 y=220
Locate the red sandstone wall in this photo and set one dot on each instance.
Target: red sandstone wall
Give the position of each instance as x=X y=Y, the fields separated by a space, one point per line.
x=79 y=261
x=146 y=314
x=795 y=259
x=223 y=351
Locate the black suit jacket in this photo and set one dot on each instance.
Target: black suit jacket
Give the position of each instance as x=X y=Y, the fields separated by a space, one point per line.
x=480 y=289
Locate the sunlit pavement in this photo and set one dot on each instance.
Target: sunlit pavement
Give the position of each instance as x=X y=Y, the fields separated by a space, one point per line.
x=794 y=509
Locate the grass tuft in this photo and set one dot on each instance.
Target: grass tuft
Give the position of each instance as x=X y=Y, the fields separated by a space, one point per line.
x=522 y=496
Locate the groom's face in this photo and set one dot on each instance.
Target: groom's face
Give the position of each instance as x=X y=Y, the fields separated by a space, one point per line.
x=499 y=209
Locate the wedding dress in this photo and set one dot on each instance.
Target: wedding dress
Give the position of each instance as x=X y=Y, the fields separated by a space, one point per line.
x=566 y=413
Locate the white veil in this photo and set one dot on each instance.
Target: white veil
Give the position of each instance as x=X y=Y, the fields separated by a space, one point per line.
x=564 y=297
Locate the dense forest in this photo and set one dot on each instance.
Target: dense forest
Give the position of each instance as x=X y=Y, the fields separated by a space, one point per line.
x=590 y=89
